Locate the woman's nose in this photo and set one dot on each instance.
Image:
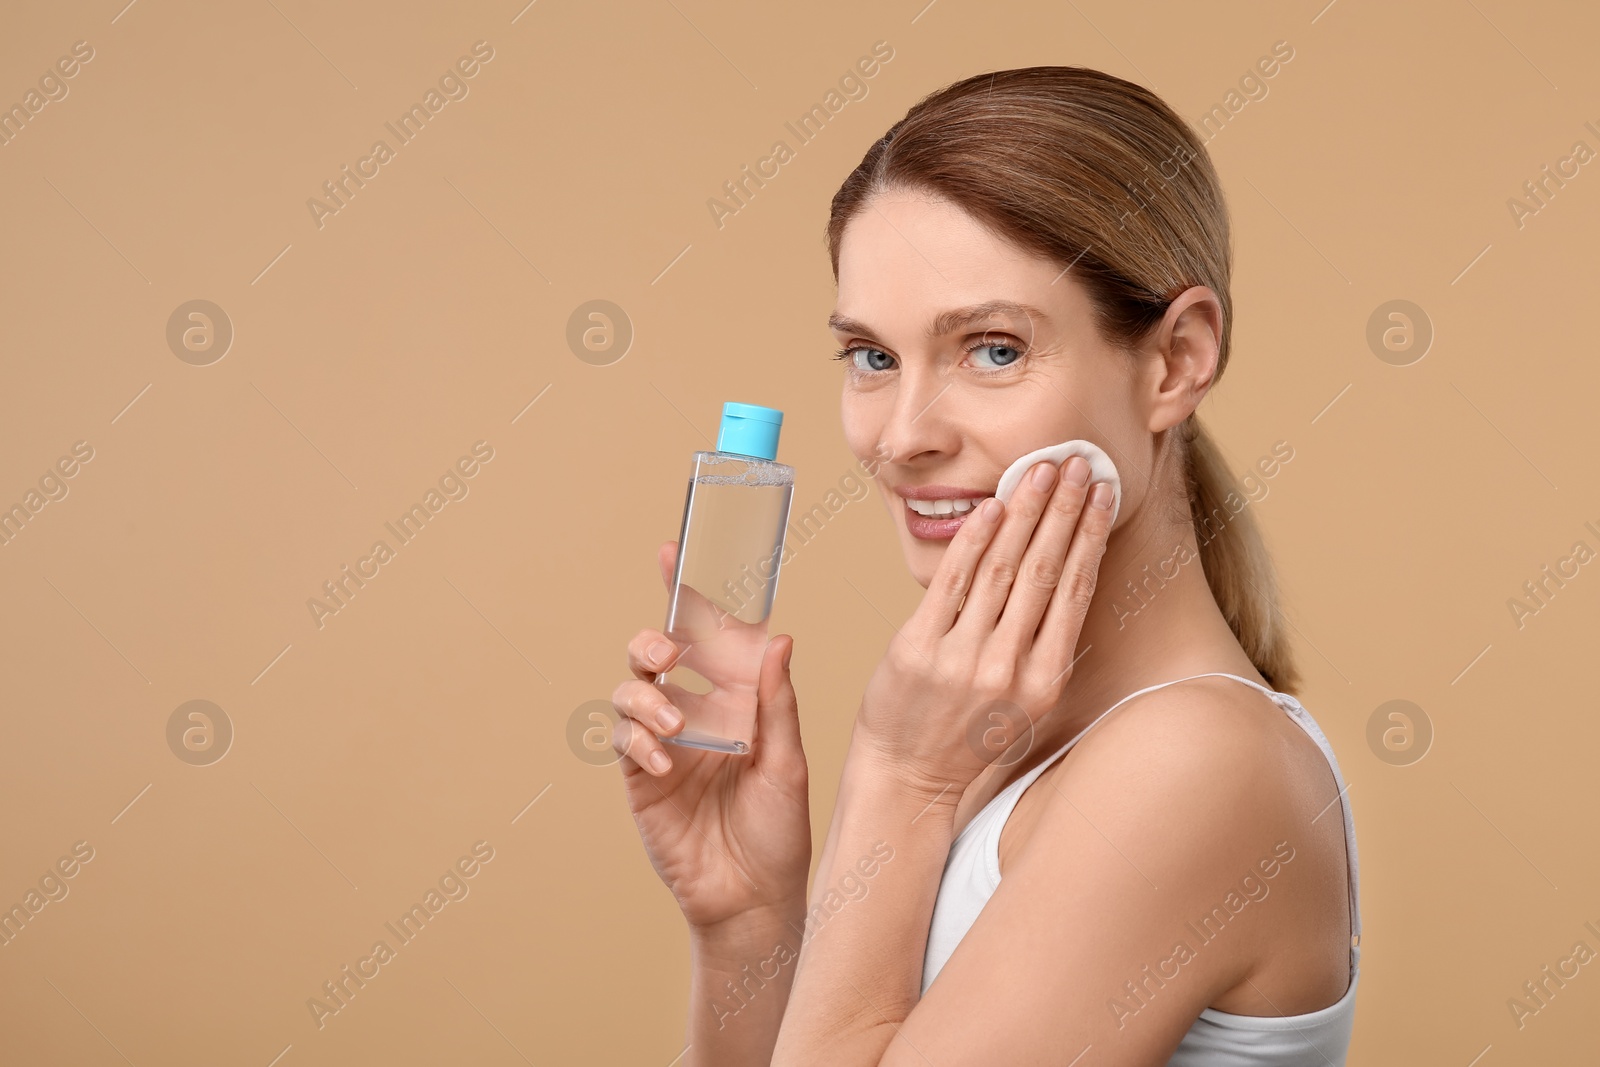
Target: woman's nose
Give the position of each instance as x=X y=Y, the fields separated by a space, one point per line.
x=920 y=420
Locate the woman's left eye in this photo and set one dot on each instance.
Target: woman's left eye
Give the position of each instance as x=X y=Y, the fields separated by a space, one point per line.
x=1009 y=354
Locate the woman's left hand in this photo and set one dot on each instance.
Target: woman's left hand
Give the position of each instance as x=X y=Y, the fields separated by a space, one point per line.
x=961 y=681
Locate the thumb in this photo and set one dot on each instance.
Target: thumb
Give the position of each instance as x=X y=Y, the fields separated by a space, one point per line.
x=777 y=708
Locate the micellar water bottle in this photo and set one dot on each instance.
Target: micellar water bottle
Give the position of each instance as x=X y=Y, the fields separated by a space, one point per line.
x=730 y=547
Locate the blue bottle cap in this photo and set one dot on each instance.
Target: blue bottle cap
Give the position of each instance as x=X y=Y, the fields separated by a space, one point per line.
x=749 y=430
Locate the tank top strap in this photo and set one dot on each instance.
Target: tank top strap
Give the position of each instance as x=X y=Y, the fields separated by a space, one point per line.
x=1028 y=779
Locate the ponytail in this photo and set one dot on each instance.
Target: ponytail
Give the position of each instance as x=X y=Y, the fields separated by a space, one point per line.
x=1234 y=556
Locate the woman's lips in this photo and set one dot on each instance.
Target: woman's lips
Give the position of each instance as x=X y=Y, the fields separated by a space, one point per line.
x=940 y=528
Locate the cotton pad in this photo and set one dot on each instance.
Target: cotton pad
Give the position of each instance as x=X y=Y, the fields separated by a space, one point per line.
x=1101 y=469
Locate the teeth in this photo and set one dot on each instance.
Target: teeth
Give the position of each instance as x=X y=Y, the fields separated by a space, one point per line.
x=944 y=508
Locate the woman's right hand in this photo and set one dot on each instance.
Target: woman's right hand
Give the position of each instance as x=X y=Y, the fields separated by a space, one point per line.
x=729 y=835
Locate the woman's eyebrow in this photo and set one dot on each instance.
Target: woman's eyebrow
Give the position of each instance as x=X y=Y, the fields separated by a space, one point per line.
x=947 y=322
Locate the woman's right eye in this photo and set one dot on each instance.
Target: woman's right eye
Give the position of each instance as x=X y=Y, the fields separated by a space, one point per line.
x=849 y=354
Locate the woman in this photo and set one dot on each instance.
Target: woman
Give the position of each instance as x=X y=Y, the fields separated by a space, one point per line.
x=1028 y=257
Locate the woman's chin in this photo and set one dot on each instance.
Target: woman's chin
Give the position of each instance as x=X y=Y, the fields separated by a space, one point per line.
x=922 y=557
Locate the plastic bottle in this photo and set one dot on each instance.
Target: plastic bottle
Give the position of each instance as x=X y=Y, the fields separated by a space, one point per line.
x=730 y=547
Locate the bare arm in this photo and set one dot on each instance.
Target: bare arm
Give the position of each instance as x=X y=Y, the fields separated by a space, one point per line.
x=861 y=970
x=730 y=836
x=741 y=972
x=1175 y=811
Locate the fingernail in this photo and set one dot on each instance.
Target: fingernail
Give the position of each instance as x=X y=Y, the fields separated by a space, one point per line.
x=659 y=762
x=1100 y=496
x=659 y=652
x=669 y=716
x=1077 y=471
x=1044 y=474
x=990 y=509
x=787 y=656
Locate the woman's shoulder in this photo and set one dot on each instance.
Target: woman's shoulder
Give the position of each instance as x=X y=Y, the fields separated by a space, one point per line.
x=1209 y=794
x=1207 y=761
x=1216 y=720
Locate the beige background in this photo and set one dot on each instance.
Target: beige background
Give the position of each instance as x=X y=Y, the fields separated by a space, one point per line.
x=371 y=753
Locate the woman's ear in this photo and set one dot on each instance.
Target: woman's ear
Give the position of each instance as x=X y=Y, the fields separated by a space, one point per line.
x=1188 y=344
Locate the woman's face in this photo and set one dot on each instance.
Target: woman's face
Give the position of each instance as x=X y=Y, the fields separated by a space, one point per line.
x=964 y=353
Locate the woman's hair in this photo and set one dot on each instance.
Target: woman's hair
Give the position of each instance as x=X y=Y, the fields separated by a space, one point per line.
x=1100 y=176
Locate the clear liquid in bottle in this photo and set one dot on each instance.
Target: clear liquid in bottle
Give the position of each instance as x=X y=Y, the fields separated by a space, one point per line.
x=730 y=548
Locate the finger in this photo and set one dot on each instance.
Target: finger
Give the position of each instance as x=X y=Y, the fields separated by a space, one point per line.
x=632 y=760
x=1055 y=647
x=634 y=742
x=954 y=575
x=667 y=560
x=777 y=734
x=997 y=568
x=1044 y=562
x=651 y=653
x=638 y=699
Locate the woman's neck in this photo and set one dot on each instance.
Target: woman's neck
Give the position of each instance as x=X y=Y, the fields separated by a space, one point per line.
x=1153 y=619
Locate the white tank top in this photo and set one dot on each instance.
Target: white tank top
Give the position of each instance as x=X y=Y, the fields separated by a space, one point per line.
x=1217 y=1038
